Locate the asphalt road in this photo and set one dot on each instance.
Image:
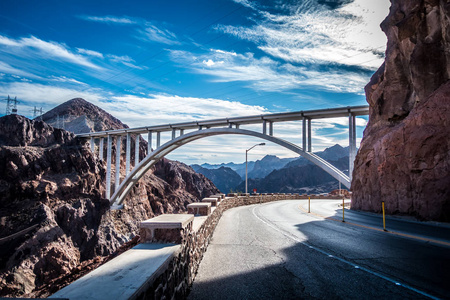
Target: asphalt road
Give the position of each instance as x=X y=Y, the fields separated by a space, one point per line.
x=279 y=251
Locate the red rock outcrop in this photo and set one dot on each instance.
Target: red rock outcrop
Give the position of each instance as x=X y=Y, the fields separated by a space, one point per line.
x=404 y=157
x=54 y=219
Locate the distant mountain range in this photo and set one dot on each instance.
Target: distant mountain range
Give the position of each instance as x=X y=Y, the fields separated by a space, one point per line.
x=273 y=174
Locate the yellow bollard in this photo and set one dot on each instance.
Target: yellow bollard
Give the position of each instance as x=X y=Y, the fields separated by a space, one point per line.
x=343 y=219
x=384 y=216
x=309 y=204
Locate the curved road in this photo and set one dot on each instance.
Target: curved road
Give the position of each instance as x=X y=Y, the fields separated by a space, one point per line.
x=279 y=251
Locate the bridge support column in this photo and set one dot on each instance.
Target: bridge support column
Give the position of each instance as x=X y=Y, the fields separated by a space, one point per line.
x=118 y=150
x=309 y=136
x=93 y=146
x=149 y=144
x=304 y=133
x=200 y=127
x=237 y=126
x=351 y=143
x=136 y=150
x=108 y=168
x=127 y=163
x=101 y=148
x=174 y=133
x=158 y=139
x=271 y=128
x=264 y=127
x=181 y=132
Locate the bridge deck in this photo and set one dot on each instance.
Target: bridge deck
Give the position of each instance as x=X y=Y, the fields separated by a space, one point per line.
x=279 y=117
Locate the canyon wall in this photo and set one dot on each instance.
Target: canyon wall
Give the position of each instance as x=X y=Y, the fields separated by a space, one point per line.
x=54 y=220
x=404 y=157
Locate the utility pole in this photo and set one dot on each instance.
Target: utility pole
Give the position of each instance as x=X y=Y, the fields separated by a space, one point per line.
x=11 y=105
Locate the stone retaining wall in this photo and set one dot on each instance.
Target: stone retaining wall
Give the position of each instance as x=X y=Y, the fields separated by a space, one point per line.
x=175 y=281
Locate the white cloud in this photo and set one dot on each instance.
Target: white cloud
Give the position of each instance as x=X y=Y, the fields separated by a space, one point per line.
x=349 y=35
x=90 y=52
x=110 y=19
x=155 y=34
x=32 y=46
x=4 y=67
x=125 y=59
x=265 y=74
x=66 y=80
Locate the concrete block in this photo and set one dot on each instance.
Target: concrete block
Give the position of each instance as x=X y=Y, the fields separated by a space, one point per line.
x=199 y=209
x=232 y=195
x=213 y=201
x=167 y=228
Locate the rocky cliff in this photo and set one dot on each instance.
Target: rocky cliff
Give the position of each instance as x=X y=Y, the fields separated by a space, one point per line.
x=404 y=158
x=54 y=220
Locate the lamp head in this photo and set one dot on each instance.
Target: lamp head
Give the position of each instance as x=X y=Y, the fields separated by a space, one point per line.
x=262 y=144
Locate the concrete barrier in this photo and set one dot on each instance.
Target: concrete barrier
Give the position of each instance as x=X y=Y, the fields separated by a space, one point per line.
x=199 y=208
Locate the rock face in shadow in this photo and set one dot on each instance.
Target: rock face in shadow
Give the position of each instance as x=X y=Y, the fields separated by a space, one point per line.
x=54 y=217
x=404 y=157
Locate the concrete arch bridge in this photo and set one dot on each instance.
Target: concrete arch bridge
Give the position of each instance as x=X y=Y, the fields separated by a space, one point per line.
x=207 y=128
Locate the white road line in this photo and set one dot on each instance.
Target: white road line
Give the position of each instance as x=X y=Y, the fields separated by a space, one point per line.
x=294 y=238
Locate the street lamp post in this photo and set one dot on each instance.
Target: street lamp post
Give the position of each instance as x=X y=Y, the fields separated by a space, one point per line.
x=246 y=169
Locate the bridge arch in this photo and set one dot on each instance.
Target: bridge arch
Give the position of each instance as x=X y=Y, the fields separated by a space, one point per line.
x=138 y=171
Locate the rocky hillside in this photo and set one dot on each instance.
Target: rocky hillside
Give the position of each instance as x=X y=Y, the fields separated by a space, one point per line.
x=80 y=116
x=54 y=219
x=224 y=178
x=404 y=158
x=301 y=179
x=287 y=175
x=266 y=165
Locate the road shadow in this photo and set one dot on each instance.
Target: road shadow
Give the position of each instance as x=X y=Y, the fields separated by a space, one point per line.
x=327 y=259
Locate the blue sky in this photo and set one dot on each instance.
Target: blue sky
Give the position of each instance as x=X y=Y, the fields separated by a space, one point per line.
x=153 y=62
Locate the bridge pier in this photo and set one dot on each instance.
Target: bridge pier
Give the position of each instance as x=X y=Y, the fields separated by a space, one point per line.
x=158 y=139
x=92 y=145
x=127 y=155
x=351 y=143
x=149 y=144
x=306 y=134
x=118 y=150
x=108 y=167
x=101 y=148
x=136 y=150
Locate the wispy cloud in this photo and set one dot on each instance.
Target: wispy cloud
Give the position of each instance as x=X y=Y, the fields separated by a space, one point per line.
x=349 y=35
x=110 y=19
x=145 y=30
x=155 y=34
x=90 y=52
x=125 y=60
x=32 y=46
x=267 y=74
x=4 y=67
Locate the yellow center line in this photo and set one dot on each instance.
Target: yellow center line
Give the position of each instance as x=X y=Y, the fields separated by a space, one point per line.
x=376 y=229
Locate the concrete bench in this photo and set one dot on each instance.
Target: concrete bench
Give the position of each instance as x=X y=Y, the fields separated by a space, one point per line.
x=167 y=228
x=213 y=201
x=124 y=277
x=199 y=209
